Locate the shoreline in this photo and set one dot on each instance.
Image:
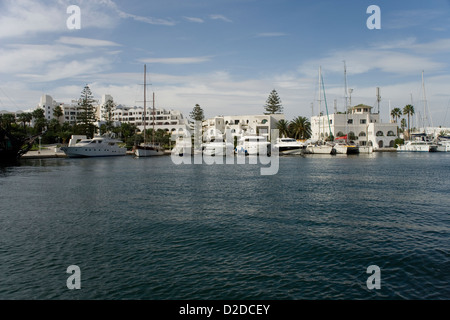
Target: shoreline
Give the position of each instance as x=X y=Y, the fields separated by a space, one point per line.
x=51 y=153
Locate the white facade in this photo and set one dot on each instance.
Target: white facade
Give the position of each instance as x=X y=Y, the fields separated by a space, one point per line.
x=359 y=124
x=239 y=125
x=101 y=110
x=167 y=120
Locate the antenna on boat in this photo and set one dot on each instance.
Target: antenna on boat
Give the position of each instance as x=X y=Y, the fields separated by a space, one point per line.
x=346 y=90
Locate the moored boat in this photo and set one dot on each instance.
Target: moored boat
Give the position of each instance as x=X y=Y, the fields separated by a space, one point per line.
x=417 y=146
x=99 y=146
x=288 y=146
x=12 y=147
x=253 y=145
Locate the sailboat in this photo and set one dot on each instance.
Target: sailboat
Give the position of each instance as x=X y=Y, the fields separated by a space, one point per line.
x=145 y=149
x=342 y=144
x=321 y=147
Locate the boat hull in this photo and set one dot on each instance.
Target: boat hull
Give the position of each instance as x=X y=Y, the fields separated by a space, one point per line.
x=218 y=149
x=420 y=148
x=443 y=147
x=320 y=150
x=148 y=152
x=290 y=150
x=365 y=149
x=83 y=152
x=344 y=149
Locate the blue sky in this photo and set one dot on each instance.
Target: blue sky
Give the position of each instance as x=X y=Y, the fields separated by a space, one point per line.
x=227 y=55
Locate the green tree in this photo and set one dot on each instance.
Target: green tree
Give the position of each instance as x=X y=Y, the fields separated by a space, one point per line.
x=58 y=112
x=396 y=113
x=86 y=116
x=273 y=103
x=301 y=128
x=25 y=118
x=403 y=124
x=108 y=109
x=7 y=120
x=409 y=111
x=39 y=120
x=283 y=128
x=197 y=113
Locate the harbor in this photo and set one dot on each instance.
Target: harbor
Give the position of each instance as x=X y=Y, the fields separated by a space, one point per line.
x=213 y=159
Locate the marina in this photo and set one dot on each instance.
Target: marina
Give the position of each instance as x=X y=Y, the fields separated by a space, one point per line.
x=206 y=155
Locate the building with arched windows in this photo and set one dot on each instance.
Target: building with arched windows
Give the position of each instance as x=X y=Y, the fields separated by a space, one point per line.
x=359 y=124
x=239 y=125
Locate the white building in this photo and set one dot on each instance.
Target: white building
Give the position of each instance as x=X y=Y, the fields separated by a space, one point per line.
x=247 y=124
x=48 y=104
x=101 y=115
x=168 y=120
x=359 y=124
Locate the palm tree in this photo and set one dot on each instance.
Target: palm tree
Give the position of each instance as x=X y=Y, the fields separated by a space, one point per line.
x=409 y=111
x=25 y=117
x=301 y=128
x=403 y=124
x=283 y=128
x=396 y=113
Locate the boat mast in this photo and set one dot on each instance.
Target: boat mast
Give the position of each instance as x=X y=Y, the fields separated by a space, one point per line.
x=346 y=99
x=326 y=106
x=425 y=106
x=145 y=100
x=153 y=133
x=346 y=90
x=320 y=97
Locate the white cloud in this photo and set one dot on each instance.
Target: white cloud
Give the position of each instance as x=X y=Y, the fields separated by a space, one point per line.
x=367 y=60
x=86 y=42
x=179 y=60
x=23 y=17
x=150 y=20
x=24 y=58
x=219 y=17
x=87 y=69
x=193 y=19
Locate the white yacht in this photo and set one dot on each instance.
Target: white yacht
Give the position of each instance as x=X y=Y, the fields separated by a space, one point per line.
x=218 y=148
x=252 y=145
x=289 y=146
x=345 y=147
x=443 y=145
x=319 y=148
x=148 y=150
x=100 y=146
x=183 y=145
x=417 y=146
x=365 y=149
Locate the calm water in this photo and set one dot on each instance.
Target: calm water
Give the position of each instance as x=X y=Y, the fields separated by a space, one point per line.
x=148 y=229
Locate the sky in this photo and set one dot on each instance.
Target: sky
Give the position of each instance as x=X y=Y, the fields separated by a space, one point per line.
x=228 y=55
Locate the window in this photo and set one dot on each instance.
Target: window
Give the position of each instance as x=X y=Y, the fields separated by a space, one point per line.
x=391 y=134
x=363 y=121
x=350 y=121
x=380 y=134
x=362 y=134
